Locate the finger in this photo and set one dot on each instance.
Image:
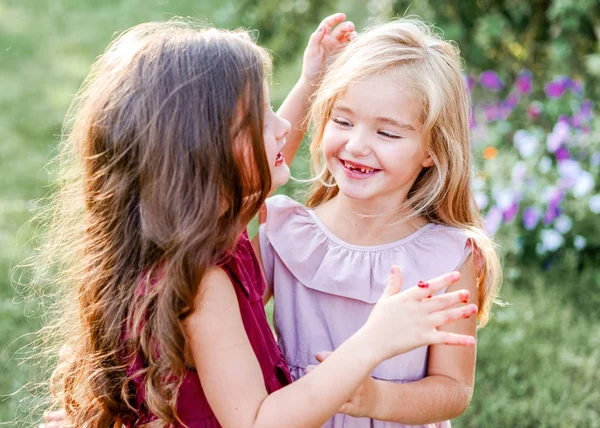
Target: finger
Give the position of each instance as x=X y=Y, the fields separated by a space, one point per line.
x=331 y=21
x=394 y=283
x=447 y=338
x=448 y=316
x=321 y=356
x=447 y=300
x=55 y=415
x=341 y=31
x=426 y=289
x=310 y=368
x=350 y=36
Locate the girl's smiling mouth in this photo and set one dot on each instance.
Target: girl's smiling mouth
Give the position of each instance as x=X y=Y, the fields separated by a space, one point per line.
x=279 y=159
x=356 y=170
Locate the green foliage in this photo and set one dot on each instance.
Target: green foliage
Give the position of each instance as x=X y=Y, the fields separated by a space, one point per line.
x=277 y=23
x=549 y=37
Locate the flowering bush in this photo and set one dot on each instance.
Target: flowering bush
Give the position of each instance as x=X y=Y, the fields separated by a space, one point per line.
x=538 y=158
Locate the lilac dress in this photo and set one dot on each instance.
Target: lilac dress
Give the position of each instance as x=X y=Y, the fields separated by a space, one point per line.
x=325 y=288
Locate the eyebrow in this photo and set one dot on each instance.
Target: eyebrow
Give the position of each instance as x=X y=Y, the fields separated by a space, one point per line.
x=402 y=125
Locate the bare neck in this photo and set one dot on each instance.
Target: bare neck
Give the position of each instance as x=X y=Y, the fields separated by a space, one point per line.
x=363 y=223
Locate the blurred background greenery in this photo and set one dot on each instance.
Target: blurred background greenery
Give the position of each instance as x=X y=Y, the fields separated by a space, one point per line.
x=538 y=358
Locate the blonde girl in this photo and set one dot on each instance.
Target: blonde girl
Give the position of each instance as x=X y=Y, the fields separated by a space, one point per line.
x=392 y=156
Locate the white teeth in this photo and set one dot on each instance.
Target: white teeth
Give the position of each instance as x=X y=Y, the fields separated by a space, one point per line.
x=363 y=170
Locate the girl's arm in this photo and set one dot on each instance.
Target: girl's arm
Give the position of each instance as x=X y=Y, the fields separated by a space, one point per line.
x=443 y=394
x=295 y=107
x=232 y=379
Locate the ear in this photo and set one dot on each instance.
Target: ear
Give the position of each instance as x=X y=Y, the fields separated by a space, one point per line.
x=427 y=162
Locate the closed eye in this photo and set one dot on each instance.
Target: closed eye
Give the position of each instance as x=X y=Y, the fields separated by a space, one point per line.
x=389 y=135
x=340 y=121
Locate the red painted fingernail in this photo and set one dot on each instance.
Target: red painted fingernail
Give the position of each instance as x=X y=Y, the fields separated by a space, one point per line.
x=465 y=300
x=466 y=316
x=429 y=297
x=422 y=284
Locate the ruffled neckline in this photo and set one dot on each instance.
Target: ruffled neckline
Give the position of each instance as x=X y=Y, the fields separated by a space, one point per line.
x=321 y=261
x=367 y=248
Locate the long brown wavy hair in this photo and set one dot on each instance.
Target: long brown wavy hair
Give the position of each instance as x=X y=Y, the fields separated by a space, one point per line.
x=430 y=66
x=161 y=166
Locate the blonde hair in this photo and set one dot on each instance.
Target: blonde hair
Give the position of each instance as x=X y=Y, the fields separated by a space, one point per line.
x=430 y=66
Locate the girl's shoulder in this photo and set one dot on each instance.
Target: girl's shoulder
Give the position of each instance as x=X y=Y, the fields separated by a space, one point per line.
x=320 y=260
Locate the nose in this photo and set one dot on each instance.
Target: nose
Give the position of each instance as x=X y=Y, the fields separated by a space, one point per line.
x=283 y=127
x=357 y=144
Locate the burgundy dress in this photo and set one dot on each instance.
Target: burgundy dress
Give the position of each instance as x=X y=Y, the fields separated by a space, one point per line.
x=245 y=273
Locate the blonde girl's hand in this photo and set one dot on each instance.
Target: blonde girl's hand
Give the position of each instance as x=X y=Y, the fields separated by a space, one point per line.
x=333 y=32
x=402 y=321
x=364 y=398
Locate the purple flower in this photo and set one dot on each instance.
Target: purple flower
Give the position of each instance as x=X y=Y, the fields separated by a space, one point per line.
x=490 y=80
x=523 y=82
x=553 y=210
x=562 y=154
x=563 y=224
x=525 y=143
x=579 y=242
x=551 y=239
x=595 y=204
x=534 y=110
x=518 y=172
x=493 y=220
x=584 y=184
x=558 y=136
x=512 y=100
x=531 y=217
x=586 y=109
x=481 y=200
x=557 y=87
x=575 y=86
x=492 y=112
x=510 y=214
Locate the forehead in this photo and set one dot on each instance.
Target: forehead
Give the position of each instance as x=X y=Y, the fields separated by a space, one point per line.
x=384 y=95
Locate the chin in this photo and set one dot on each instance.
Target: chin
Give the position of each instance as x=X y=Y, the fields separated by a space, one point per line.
x=356 y=193
x=280 y=176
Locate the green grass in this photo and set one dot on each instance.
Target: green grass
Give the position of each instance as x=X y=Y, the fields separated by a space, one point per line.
x=537 y=360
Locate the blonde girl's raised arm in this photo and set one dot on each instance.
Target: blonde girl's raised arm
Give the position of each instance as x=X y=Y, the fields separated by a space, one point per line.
x=333 y=32
x=231 y=376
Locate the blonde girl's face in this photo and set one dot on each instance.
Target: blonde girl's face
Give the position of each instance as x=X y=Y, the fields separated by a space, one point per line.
x=275 y=130
x=372 y=142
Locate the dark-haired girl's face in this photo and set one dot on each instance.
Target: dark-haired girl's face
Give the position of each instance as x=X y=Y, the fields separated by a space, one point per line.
x=276 y=129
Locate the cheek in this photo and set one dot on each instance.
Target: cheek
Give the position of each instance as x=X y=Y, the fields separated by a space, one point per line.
x=331 y=142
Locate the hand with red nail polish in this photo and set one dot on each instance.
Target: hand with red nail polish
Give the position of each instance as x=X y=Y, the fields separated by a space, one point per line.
x=416 y=315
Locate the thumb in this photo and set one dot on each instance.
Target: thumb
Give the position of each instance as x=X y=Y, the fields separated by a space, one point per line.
x=394 y=283
x=317 y=36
